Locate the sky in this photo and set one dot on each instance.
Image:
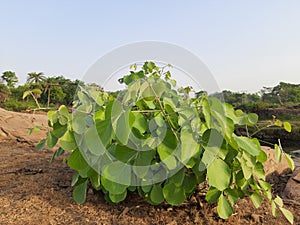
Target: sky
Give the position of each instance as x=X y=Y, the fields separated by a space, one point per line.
x=245 y=44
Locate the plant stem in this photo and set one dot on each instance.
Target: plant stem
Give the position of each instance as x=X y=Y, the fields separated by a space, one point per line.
x=147 y=111
x=164 y=113
x=259 y=130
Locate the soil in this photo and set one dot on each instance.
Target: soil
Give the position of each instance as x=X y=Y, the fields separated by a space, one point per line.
x=36 y=191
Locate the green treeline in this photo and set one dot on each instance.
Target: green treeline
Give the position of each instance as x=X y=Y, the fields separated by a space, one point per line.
x=283 y=94
x=42 y=91
x=38 y=91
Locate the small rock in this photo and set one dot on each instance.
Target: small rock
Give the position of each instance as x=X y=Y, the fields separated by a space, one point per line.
x=297 y=178
x=292 y=188
x=169 y=209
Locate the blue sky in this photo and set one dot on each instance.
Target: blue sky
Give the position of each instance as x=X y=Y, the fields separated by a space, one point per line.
x=245 y=44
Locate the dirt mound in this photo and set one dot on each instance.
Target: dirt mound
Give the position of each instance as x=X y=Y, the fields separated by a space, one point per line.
x=14 y=125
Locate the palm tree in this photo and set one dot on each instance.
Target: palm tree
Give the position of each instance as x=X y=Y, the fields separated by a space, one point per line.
x=36 y=78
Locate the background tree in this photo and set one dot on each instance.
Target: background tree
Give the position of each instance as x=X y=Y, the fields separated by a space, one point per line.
x=49 y=84
x=283 y=94
x=69 y=88
x=36 y=78
x=35 y=81
x=10 y=78
x=4 y=93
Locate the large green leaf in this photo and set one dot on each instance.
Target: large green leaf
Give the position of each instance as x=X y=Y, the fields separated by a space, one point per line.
x=256 y=199
x=63 y=110
x=212 y=141
x=140 y=122
x=219 y=174
x=122 y=126
x=125 y=154
x=113 y=187
x=105 y=132
x=189 y=183
x=259 y=171
x=224 y=208
x=68 y=142
x=207 y=112
x=166 y=149
x=79 y=123
x=189 y=146
x=169 y=102
x=248 y=144
x=262 y=157
x=79 y=192
x=252 y=118
x=232 y=195
x=273 y=208
x=52 y=116
x=212 y=137
x=209 y=155
x=41 y=144
x=173 y=194
x=159 y=88
x=51 y=140
x=63 y=120
x=178 y=178
x=156 y=194
x=76 y=161
x=95 y=179
x=288 y=215
x=116 y=198
x=93 y=141
x=218 y=111
x=142 y=163
x=118 y=172
x=247 y=171
x=212 y=195
x=290 y=161
x=83 y=98
x=59 y=130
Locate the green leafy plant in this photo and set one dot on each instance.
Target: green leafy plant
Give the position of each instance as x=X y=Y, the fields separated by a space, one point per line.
x=157 y=140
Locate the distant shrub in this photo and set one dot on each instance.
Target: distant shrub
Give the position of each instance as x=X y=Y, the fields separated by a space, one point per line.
x=256 y=106
x=18 y=106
